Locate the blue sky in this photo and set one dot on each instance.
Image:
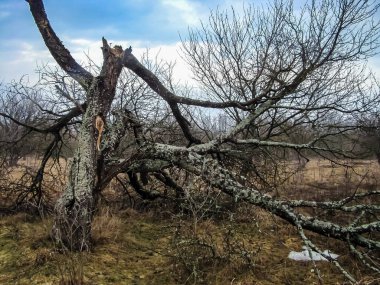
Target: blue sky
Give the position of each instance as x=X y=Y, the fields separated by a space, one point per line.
x=80 y=24
x=153 y=20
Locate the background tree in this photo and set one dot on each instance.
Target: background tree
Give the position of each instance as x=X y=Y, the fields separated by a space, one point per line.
x=370 y=134
x=17 y=101
x=273 y=75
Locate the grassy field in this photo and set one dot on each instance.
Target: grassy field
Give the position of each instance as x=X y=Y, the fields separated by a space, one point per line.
x=154 y=245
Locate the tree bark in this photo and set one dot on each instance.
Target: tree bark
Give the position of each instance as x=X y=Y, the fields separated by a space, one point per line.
x=74 y=209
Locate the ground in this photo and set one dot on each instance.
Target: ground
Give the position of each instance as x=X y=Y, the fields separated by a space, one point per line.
x=143 y=246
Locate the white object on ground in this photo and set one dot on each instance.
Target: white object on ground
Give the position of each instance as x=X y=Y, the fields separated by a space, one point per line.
x=305 y=255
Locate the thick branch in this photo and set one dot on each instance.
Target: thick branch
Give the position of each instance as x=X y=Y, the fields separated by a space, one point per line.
x=132 y=63
x=147 y=195
x=32 y=128
x=183 y=123
x=221 y=178
x=55 y=46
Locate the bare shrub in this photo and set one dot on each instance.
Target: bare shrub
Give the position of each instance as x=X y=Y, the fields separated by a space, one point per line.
x=200 y=245
x=211 y=249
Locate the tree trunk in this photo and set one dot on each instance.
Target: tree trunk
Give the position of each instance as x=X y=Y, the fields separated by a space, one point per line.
x=74 y=209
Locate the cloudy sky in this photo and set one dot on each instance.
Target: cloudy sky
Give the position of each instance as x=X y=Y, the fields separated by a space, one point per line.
x=154 y=24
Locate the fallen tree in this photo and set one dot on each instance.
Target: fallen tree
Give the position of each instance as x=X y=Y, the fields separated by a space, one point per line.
x=288 y=82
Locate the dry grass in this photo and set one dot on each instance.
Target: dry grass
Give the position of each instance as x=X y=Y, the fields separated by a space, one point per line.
x=136 y=252
x=132 y=247
x=106 y=226
x=323 y=180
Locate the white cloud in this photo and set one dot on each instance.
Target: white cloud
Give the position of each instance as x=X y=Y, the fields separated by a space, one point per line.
x=80 y=42
x=184 y=11
x=80 y=48
x=21 y=61
x=169 y=53
x=25 y=59
x=30 y=53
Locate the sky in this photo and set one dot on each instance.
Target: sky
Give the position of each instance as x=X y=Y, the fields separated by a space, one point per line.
x=80 y=24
